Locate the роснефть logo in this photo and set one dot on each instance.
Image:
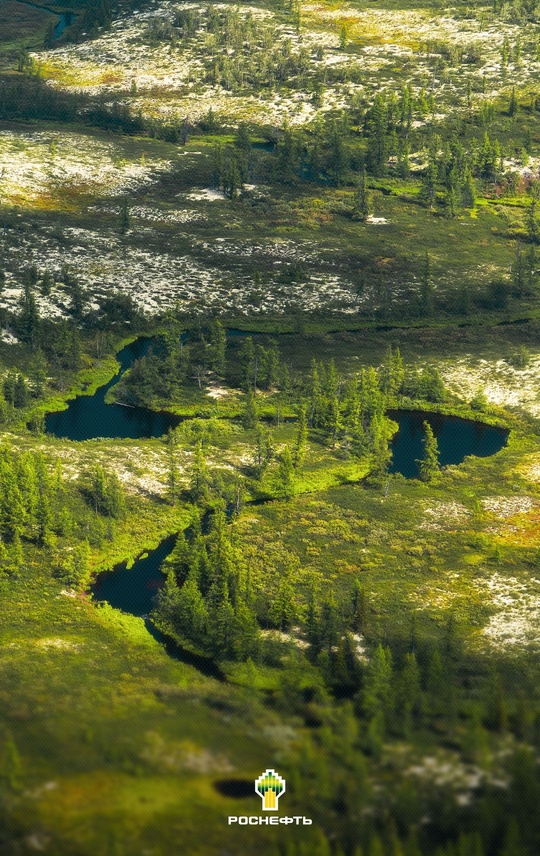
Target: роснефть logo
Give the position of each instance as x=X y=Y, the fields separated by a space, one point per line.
x=270 y=786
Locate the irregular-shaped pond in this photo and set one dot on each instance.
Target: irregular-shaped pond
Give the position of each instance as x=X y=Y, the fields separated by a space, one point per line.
x=88 y=417
x=456 y=438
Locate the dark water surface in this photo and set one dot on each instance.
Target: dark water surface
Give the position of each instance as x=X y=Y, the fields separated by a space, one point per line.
x=456 y=438
x=87 y=416
x=133 y=590
x=66 y=20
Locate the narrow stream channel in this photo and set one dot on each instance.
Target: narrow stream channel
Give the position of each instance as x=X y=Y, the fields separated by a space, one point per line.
x=88 y=416
x=65 y=19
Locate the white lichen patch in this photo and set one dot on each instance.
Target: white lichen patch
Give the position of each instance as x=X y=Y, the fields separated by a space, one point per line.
x=502 y=383
x=517 y=620
x=41 y=165
x=508 y=506
x=444 y=515
x=217 y=392
x=58 y=644
x=207 y=194
x=360 y=647
x=285 y=638
x=448 y=771
x=174 y=756
x=105 y=264
x=174 y=76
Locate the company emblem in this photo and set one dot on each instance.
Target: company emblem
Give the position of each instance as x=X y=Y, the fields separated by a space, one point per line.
x=270 y=786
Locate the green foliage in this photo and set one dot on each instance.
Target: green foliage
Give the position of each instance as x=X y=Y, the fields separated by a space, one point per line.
x=103 y=491
x=199 y=482
x=249 y=414
x=285 y=473
x=72 y=566
x=206 y=600
x=479 y=400
x=428 y=466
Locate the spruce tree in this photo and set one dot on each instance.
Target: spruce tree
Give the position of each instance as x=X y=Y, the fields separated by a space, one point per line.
x=300 y=440
x=10 y=764
x=218 y=343
x=285 y=475
x=249 y=413
x=172 y=467
x=247 y=362
x=38 y=373
x=198 y=483
x=361 y=205
x=428 y=466
x=468 y=193
x=20 y=392
x=125 y=219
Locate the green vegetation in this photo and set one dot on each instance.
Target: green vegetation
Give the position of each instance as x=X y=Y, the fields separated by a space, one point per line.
x=323 y=216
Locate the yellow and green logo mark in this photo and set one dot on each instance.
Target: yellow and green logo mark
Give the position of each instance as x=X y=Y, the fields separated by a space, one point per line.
x=270 y=786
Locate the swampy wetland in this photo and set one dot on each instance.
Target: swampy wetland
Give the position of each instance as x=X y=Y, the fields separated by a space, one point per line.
x=269 y=417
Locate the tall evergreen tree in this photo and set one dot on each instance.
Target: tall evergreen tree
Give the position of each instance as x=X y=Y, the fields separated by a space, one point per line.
x=199 y=482
x=285 y=474
x=300 y=440
x=428 y=466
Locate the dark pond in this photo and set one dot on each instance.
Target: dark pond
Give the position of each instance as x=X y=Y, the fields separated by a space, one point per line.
x=87 y=416
x=456 y=437
x=66 y=20
x=236 y=788
x=133 y=590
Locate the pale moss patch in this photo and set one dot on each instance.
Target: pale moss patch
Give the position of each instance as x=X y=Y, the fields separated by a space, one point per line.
x=517 y=620
x=42 y=165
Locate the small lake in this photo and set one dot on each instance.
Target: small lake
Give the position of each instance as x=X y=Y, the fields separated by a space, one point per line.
x=88 y=417
x=457 y=438
x=133 y=590
x=65 y=19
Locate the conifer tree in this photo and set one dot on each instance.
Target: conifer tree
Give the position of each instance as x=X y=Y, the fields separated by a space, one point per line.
x=468 y=193
x=247 y=362
x=105 y=492
x=38 y=373
x=20 y=392
x=249 y=414
x=198 y=483
x=285 y=474
x=375 y=847
x=218 y=343
x=378 y=683
x=10 y=764
x=282 y=610
x=359 y=618
x=428 y=466
x=172 y=466
x=125 y=218
x=300 y=440
x=361 y=205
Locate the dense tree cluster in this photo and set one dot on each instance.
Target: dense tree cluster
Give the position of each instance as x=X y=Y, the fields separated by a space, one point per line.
x=103 y=491
x=30 y=497
x=36 y=505
x=206 y=600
